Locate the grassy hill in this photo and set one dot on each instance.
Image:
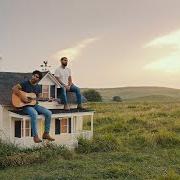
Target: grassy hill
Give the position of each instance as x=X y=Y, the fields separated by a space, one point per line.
x=140 y=93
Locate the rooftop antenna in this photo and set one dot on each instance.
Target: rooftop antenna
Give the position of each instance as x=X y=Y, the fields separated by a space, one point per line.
x=45 y=66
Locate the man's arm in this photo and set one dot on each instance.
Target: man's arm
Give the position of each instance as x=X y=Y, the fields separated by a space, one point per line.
x=60 y=81
x=17 y=90
x=64 y=85
x=70 y=81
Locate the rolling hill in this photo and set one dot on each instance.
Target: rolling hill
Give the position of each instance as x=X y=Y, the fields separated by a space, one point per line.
x=140 y=93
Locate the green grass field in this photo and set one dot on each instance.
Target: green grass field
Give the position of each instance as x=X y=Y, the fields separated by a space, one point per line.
x=131 y=141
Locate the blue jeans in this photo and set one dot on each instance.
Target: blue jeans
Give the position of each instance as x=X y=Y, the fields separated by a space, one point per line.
x=73 y=88
x=33 y=113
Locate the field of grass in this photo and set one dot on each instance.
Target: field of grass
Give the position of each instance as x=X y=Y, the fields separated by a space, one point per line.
x=131 y=141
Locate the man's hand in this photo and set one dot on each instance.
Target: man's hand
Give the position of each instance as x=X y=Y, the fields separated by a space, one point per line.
x=25 y=99
x=67 y=87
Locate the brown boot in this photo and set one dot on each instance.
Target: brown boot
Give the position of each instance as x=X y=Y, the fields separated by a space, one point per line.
x=37 y=139
x=47 y=136
x=66 y=107
x=80 y=107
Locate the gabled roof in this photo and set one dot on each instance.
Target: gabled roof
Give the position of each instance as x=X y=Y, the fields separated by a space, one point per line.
x=9 y=79
x=45 y=74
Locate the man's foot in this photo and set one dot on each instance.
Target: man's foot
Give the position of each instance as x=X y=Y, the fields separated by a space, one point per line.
x=37 y=139
x=80 y=107
x=66 y=107
x=47 y=136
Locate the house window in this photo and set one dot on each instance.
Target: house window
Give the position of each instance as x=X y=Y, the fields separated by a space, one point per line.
x=57 y=126
x=69 y=119
x=52 y=91
x=62 y=125
x=19 y=129
x=45 y=91
x=26 y=128
x=86 y=123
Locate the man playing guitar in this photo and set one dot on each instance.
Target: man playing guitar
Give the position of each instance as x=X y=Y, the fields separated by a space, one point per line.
x=31 y=86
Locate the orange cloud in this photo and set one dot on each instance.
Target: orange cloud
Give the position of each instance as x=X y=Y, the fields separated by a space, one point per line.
x=73 y=52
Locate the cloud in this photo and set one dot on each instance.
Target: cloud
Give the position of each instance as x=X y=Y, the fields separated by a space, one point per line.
x=170 y=63
x=171 y=39
x=73 y=52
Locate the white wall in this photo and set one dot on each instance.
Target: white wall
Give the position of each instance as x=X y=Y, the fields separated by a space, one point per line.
x=69 y=139
x=5 y=130
x=1 y=118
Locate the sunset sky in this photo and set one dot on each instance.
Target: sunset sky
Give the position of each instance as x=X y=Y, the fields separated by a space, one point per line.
x=109 y=43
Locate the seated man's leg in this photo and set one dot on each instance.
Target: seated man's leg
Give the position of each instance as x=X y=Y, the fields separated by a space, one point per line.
x=64 y=97
x=33 y=114
x=78 y=95
x=47 y=113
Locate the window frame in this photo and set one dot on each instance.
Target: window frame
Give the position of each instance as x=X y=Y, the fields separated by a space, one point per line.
x=45 y=91
x=28 y=131
x=60 y=129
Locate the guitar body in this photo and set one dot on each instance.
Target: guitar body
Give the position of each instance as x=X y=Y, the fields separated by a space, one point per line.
x=18 y=103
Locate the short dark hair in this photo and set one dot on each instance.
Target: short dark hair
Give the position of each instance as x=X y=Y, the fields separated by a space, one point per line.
x=63 y=58
x=38 y=72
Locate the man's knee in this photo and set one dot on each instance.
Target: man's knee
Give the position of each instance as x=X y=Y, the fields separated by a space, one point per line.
x=47 y=113
x=76 y=89
x=33 y=114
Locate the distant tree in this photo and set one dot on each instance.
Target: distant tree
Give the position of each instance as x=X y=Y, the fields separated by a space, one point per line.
x=92 y=95
x=117 y=99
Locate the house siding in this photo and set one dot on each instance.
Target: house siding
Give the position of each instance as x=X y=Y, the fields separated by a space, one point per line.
x=68 y=138
x=5 y=130
x=1 y=116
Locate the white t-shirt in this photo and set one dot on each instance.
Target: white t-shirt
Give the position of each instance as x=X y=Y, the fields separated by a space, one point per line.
x=63 y=74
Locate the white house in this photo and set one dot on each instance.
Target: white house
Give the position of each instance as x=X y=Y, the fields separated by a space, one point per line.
x=66 y=126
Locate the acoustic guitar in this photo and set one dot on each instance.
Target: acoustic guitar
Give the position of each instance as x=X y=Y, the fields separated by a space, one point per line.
x=18 y=103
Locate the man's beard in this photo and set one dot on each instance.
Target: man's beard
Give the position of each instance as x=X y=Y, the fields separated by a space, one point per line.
x=33 y=81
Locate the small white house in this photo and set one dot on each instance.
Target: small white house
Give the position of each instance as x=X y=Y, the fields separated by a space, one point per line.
x=66 y=126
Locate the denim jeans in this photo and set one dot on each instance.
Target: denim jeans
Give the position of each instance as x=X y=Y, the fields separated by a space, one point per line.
x=33 y=113
x=73 y=88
